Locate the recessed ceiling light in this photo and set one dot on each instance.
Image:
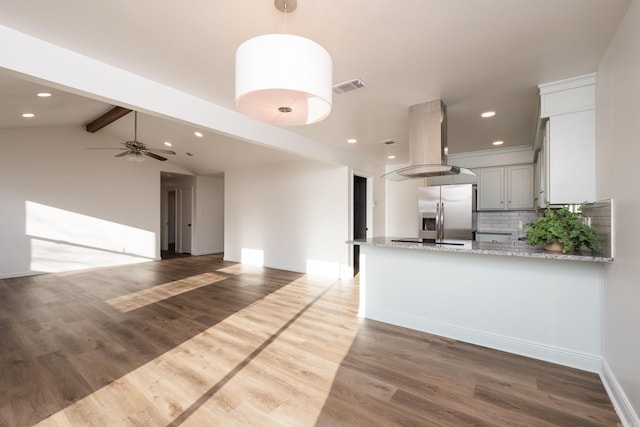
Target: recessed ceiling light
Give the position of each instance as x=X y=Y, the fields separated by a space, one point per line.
x=168 y=144
x=352 y=141
x=44 y=94
x=391 y=157
x=28 y=115
x=198 y=134
x=488 y=114
x=498 y=142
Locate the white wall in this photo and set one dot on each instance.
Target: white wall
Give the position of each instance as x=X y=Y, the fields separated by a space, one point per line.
x=402 y=207
x=208 y=216
x=618 y=157
x=294 y=214
x=552 y=311
x=65 y=207
x=379 y=205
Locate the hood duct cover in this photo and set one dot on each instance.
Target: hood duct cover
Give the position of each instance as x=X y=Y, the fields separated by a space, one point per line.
x=427 y=144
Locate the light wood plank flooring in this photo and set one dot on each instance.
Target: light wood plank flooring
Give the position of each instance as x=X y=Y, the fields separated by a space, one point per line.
x=198 y=341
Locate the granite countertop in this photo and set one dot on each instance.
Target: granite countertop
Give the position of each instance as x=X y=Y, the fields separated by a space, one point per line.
x=486 y=248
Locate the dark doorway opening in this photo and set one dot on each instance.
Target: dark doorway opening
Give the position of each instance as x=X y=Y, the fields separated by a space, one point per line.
x=359 y=217
x=172 y=209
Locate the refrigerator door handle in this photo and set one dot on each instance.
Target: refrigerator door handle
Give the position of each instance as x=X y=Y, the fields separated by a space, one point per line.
x=442 y=221
x=437 y=221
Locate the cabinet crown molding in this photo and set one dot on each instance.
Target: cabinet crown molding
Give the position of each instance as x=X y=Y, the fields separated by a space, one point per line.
x=567 y=84
x=568 y=96
x=493 y=157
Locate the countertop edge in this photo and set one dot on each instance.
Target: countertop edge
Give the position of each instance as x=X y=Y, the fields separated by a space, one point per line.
x=481 y=248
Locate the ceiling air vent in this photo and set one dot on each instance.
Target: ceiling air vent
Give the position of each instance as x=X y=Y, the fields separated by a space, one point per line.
x=348 y=86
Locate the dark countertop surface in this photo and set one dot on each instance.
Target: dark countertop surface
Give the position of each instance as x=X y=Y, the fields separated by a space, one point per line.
x=487 y=248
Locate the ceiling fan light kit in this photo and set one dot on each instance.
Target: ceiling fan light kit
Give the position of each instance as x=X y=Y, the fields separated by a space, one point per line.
x=135 y=157
x=283 y=79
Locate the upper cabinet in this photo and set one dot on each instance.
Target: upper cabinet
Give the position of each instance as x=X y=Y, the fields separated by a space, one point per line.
x=566 y=169
x=519 y=180
x=506 y=188
x=491 y=188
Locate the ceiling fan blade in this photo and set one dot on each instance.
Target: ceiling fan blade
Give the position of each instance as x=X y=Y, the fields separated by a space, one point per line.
x=156 y=150
x=155 y=156
x=122 y=154
x=104 y=148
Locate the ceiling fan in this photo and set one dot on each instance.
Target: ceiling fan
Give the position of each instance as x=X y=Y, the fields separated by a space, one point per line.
x=136 y=150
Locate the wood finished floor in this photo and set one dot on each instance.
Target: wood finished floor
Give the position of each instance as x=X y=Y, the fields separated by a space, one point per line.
x=198 y=341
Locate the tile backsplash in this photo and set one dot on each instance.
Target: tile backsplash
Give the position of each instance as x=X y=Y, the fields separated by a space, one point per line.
x=505 y=222
x=600 y=216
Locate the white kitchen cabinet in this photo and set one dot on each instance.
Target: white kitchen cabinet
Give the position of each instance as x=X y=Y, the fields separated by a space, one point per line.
x=519 y=183
x=567 y=157
x=571 y=158
x=540 y=174
x=506 y=188
x=491 y=188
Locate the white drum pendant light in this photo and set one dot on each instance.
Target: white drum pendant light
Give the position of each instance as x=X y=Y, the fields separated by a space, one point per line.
x=283 y=79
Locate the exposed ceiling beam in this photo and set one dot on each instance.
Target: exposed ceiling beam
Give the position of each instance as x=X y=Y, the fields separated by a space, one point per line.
x=109 y=117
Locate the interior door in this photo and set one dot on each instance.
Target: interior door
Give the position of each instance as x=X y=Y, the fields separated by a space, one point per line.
x=171 y=220
x=186 y=220
x=359 y=217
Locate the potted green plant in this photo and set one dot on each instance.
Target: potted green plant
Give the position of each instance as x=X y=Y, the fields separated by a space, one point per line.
x=561 y=230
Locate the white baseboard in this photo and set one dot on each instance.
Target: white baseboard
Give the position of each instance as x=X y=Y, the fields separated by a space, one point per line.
x=535 y=350
x=623 y=407
x=20 y=274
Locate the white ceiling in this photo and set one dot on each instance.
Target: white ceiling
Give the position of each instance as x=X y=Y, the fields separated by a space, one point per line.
x=475 y=55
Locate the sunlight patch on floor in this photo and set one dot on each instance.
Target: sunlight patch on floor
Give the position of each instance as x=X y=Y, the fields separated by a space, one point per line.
x=268 y=361
x=126 y=303
x=240 y=269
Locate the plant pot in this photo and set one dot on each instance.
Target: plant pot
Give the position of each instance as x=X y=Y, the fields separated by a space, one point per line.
x=554 y=247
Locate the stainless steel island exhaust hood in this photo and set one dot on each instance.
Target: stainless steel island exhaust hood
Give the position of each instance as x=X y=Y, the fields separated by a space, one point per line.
x=427 y=144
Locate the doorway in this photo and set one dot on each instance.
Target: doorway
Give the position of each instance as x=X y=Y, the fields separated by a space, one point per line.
x=171 y=221
x=171 y=247
x=176 y=215
x=359 y=217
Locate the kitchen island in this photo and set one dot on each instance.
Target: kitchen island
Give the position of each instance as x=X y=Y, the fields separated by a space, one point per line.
x=516 y=299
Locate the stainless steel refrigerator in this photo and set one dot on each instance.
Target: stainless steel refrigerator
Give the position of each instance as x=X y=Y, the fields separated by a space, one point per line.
x=447 y=213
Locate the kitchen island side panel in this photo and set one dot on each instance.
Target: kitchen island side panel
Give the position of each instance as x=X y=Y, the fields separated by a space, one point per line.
x=545 y=309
